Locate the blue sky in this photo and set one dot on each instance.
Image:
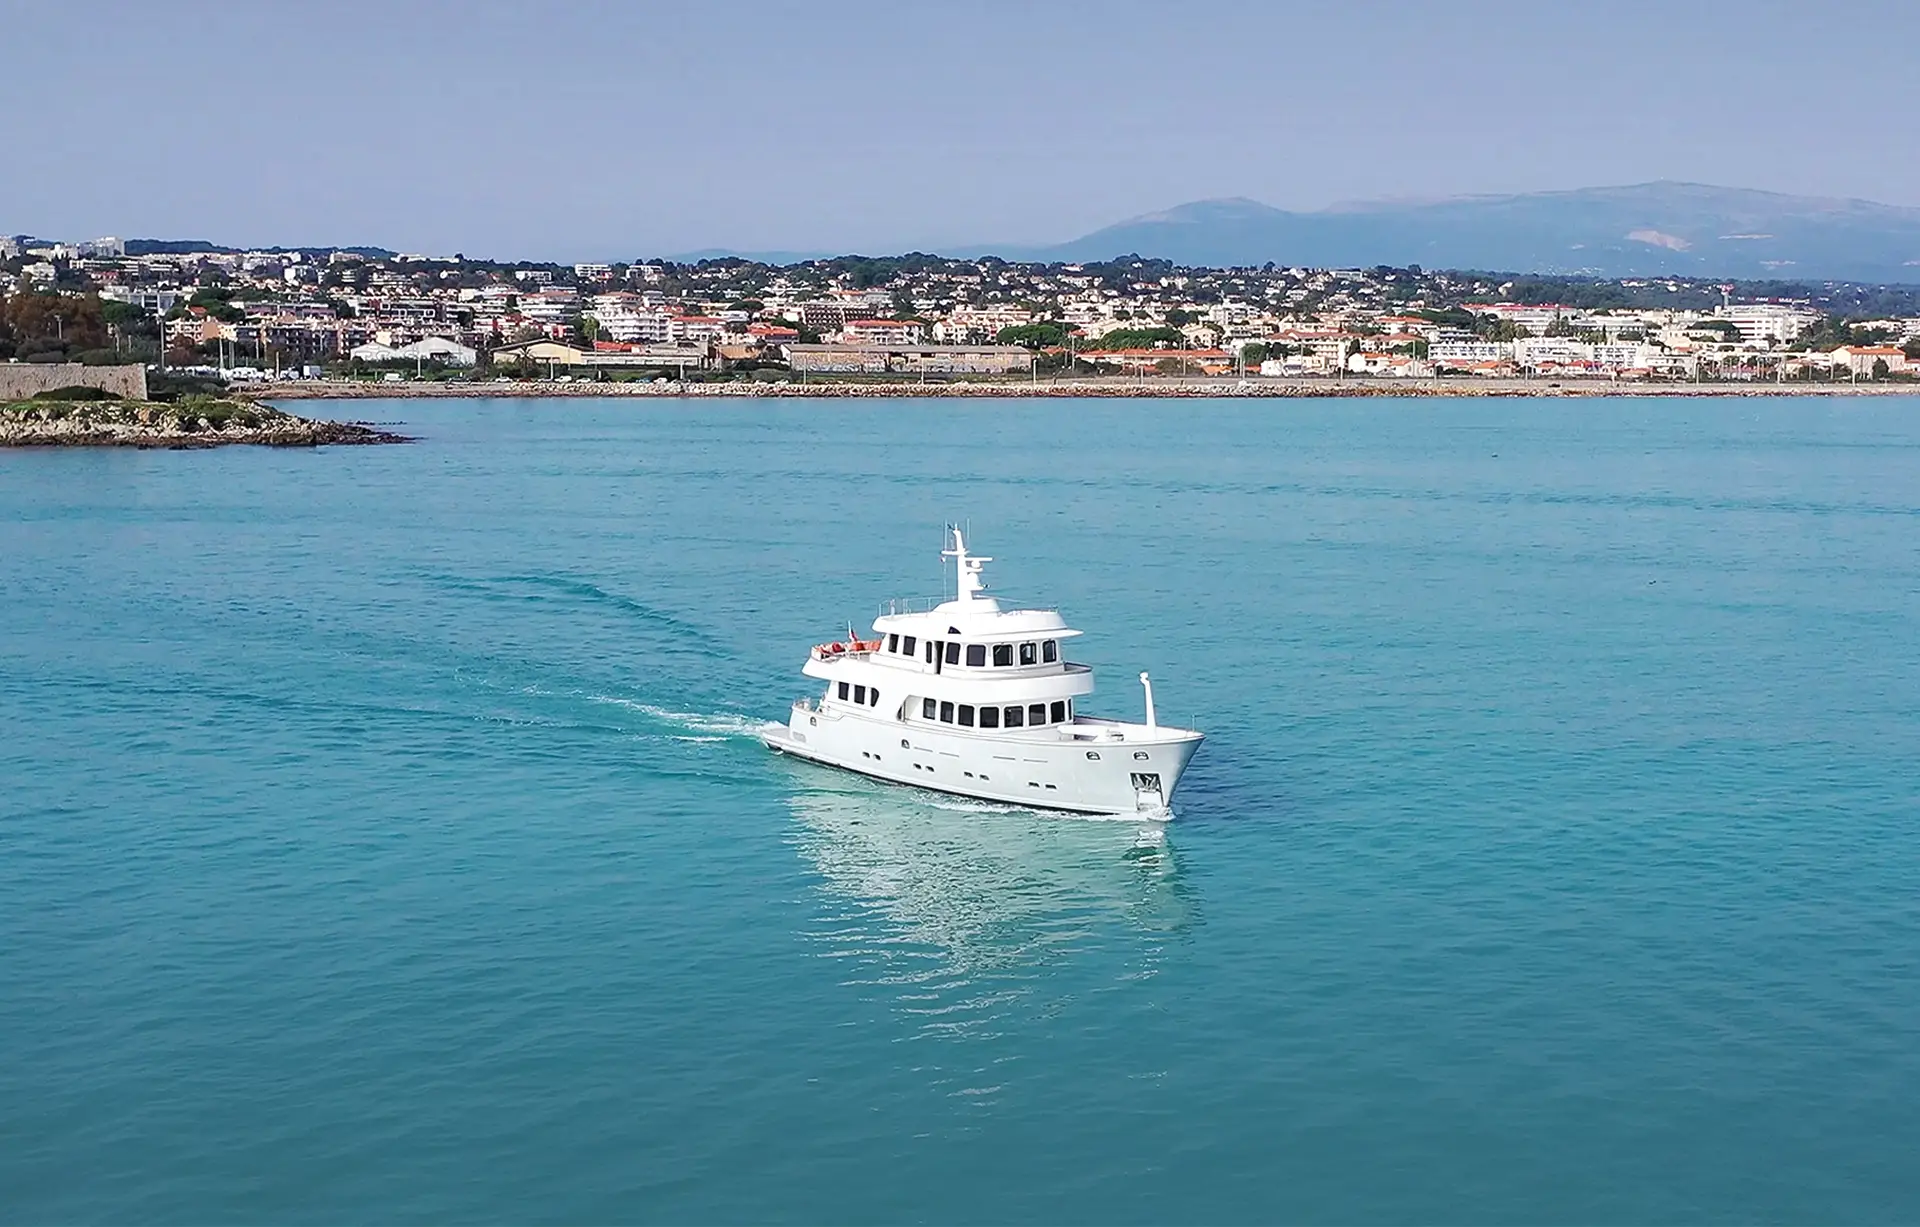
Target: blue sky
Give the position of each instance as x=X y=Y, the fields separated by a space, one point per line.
x=606 y=130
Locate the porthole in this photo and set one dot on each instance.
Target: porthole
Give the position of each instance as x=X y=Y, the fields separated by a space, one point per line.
x=904 y=745
x=1093 y=754
x=1141 y=755
x=813 y=720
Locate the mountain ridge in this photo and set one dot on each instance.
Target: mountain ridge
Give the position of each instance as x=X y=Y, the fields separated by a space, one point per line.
x=1663 y=227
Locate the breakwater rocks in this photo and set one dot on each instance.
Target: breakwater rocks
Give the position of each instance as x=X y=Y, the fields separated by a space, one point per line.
x=1154 y=389
x=190 y=423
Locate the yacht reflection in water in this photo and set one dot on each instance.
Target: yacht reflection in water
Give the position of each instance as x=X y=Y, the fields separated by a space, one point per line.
x=973 y=901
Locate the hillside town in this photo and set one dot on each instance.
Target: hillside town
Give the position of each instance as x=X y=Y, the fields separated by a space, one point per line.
x=369 y=314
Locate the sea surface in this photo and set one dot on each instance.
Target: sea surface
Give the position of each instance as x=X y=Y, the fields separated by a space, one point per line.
x=384 y=837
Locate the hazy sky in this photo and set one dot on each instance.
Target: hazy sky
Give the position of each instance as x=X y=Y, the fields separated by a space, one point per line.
x=613 y=130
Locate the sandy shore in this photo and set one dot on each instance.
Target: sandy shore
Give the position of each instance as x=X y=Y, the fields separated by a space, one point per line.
x=1121 y=387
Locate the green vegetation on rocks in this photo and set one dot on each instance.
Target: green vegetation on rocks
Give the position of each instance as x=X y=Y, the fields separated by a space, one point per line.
x=63 y=418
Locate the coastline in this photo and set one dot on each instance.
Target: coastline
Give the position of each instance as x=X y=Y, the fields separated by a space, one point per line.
x=1067 y=388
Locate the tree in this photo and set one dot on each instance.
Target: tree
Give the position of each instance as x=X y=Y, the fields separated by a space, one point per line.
x=1880 y=368
x=1043 y=335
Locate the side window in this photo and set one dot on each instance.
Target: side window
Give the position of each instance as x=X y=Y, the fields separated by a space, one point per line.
x=860 y=695
x=927 y=709
x=910 y=646
x=1029 y=653
x=1013 y=718
x=946 y=713
x=989 y=717
x=953 y=653
x=1037 y=714
x=893 y=643
x=1059 y=712
x=1002 y=654
x=843 y=690
x=873 y=697
x=1050 y=651
x=931 y=648
x=976 y=654
x=966 y=714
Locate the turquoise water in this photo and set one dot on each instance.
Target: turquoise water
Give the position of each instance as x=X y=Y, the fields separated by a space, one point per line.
x=383 y=836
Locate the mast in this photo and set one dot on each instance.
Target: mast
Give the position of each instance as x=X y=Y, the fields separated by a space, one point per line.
x=966 y=568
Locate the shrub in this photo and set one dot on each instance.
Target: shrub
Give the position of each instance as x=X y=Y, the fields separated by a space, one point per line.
x=76 y=392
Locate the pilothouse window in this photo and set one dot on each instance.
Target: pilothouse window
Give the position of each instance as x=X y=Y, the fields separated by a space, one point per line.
x=1013 y=718
x=946 y=713
x=989 y=717
x=1002 y=654
x=976 y=655
x=843 y=690
x=860 y=695
x=927 y=708
x=1029 y=653
x=953 y=653
x=1050 y=651
x=909 y=646
x=893 y=643
x=1059 y=712
x=1037 y=713
x=966 y=714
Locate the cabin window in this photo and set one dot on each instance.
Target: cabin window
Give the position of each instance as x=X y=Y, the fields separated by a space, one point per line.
x=1029 y=653
x=946 y=713
x=927 y=708
x=976 y=654
x=1037 y=714
x=893 y=643
x=932 y=647
x=953 y=653
x=873 y=697
x=910 y=646
x=1050 y=651
x=989 y=717
x=843 y=690
x=966 y=714
x=1059 y=712
x=1002 y=654
x=1014 y=720
x=860 y=695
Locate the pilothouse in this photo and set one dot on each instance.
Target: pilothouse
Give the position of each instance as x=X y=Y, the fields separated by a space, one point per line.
x=963 y=696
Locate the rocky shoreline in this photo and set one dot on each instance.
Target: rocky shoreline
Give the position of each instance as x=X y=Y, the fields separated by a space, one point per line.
x=1068 y=388
x=189 y=424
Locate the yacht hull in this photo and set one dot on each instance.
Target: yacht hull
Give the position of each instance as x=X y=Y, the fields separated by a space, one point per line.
x=1087 y=767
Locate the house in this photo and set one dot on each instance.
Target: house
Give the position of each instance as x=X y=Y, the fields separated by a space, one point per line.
x=1862 y=361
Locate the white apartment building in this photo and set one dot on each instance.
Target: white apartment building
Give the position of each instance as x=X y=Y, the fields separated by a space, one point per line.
x=1535 y=320
x=634 y=326
x=881 y=332
x=985 y=322
x=1770 y=322
x=1447 y=353
x=1557 y=351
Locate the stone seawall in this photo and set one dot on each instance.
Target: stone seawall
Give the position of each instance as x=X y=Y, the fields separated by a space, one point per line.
x=1118 y=387
x=20 y=380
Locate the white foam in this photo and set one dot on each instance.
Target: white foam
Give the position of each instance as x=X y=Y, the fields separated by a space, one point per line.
x=721 y=725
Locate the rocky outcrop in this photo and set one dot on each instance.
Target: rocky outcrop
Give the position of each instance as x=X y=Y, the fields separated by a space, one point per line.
x=191 y=423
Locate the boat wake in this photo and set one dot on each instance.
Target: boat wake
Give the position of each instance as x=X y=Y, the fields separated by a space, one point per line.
x=696 y=726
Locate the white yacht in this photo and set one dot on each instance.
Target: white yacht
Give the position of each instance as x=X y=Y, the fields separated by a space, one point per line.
x=965 y=697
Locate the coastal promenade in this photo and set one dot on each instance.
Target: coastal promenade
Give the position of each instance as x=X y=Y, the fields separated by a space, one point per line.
x=1065 y=388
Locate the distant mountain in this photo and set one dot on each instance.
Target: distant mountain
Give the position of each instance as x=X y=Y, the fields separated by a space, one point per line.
x=1687 y=229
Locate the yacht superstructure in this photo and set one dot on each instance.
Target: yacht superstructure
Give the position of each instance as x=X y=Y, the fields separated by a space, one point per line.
x=962 y=696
